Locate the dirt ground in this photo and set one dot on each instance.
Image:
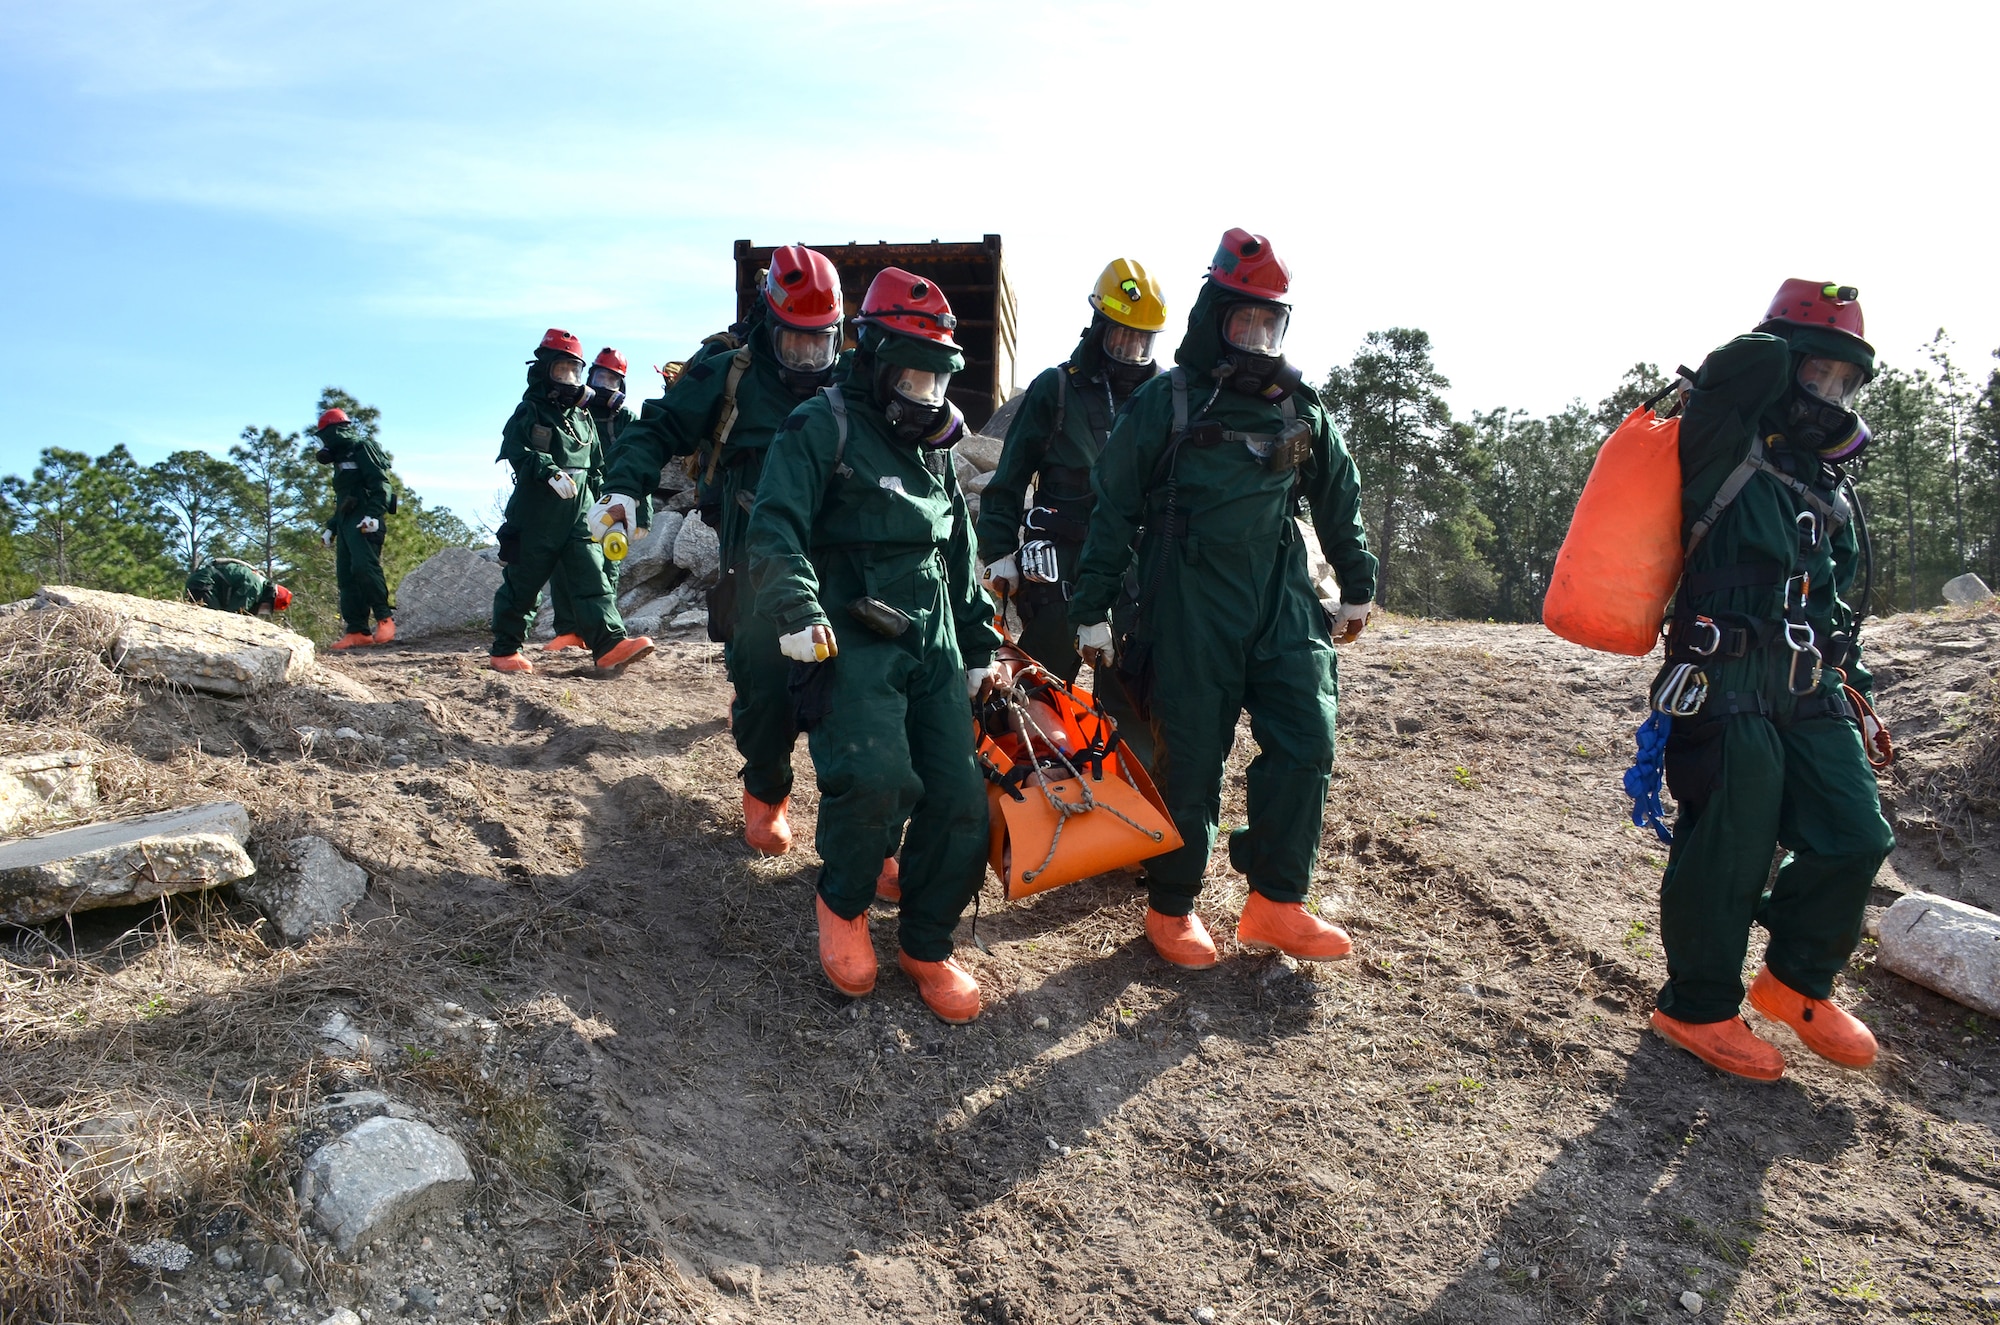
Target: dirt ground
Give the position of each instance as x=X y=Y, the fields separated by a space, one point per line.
x=674 y=1118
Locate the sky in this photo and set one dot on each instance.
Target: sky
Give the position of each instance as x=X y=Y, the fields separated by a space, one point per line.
x=210 y=211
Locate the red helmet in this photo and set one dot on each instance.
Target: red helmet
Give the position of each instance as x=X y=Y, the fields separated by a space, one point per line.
x=902 y=302
x=1817 y=304
x=281 y=598
x=609 y=358
x=1245 y=263
x=331 y=417
x=802 y=289
x=557 y=341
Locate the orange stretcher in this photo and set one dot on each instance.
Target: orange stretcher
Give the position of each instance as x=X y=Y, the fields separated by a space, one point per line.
x=1069 y=800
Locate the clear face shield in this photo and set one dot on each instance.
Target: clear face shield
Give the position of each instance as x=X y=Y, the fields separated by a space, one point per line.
x=607 y=382
x=1256 y=328
x=919 y=387
x=805 y=351
x=1834 y=381
x=565 y=371
x=1129 y=344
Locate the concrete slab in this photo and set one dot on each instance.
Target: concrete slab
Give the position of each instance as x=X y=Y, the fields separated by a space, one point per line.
x=222 y=653
x=39 y=789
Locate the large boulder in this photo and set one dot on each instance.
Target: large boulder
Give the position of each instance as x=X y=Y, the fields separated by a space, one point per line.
x=312 y=890
x=649 y=568
x=1003 y=418
x=452 y=591
x=1944 y=945
x=1966 y=590
x=698 y=551
x=41 y=789
x=223 y=653
x=123 y=862
x=688 y=596
x=982 y=452
x=370 y=1181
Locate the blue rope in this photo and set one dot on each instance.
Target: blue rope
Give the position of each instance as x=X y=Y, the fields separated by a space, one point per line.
x=1642 y=780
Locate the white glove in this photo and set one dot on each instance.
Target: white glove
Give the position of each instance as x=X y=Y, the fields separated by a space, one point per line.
x=326 y=537
x=562 y=485
x=1349 y=620
x=614 y=510
x=1003 y=577
x=979 y=680
x=368 y=524
x=813 y=644
x=1093 y=644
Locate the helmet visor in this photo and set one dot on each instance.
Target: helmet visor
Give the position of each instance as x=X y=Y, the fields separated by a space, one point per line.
x=565 y=371
x=920 y=387
x=806 y=351
x=1833 y=380
x=1256 y=328
x=1128 y=344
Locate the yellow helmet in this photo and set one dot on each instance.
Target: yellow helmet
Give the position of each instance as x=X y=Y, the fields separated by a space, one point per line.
x=1129 y=297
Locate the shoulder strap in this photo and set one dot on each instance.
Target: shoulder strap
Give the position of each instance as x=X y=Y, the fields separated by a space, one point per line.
x=1179 y=377
x=839 y=404
x=725 y=418
x=1063 y=388
x=1834 y=513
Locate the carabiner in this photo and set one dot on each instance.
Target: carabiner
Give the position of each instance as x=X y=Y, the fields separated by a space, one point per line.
x=1808 y=525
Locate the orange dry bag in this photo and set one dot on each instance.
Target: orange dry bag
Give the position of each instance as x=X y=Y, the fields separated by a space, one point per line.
x=1621 y=559
x=1068 y=799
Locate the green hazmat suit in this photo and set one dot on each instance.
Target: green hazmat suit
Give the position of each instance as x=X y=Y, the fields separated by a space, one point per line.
x=893 y=740
x=546 y=536
x=1760 y=767
x=610 y=423
x=682 y=422
x=1064 y=419
x=360 y=492
x=228 y=585
x=1227 y=611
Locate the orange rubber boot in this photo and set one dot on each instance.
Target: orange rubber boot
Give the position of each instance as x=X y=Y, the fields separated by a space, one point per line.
x=947 y=988
x=1835 y=1034
x=353 y=639
x=509 y=662
x=846 y=953
x=1728 y=1046
x=561 y=642
x=1181 y=940
x=889 y=883
x=624 y=654
x=385 y=630
x=1291 y=929
x=765 y=827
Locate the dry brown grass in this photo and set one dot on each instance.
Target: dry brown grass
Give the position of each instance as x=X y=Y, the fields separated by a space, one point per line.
x=606 y=1282
x=52 y=669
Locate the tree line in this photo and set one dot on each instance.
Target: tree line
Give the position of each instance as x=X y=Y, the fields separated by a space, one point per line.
x=108 y=522
x=1467 y=514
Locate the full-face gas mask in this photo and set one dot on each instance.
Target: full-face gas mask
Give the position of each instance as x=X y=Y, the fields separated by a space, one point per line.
x=607 y=389
x=566 y=385
x=1253 y=337
x=805 y=356
x=1819 y=414
x=912 y=399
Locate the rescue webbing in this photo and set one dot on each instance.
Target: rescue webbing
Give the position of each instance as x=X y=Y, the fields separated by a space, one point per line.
x=1642 y=780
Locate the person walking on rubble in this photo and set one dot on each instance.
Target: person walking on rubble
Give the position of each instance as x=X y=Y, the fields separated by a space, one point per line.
x=724 y=410
x=607 y=411
x=1773 y=758
x=1064 y=420
x=552 y=444
x=362 y=501
x=859 y=519
x=1214 y=460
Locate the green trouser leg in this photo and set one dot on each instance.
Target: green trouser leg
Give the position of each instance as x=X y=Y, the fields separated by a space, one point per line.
x=761 y=717
x=357 y=571
x=1049 y=638
x=554 y=546
x=1806 y=786
x=896 y=745
x=1286 y=678
x=565 y=612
